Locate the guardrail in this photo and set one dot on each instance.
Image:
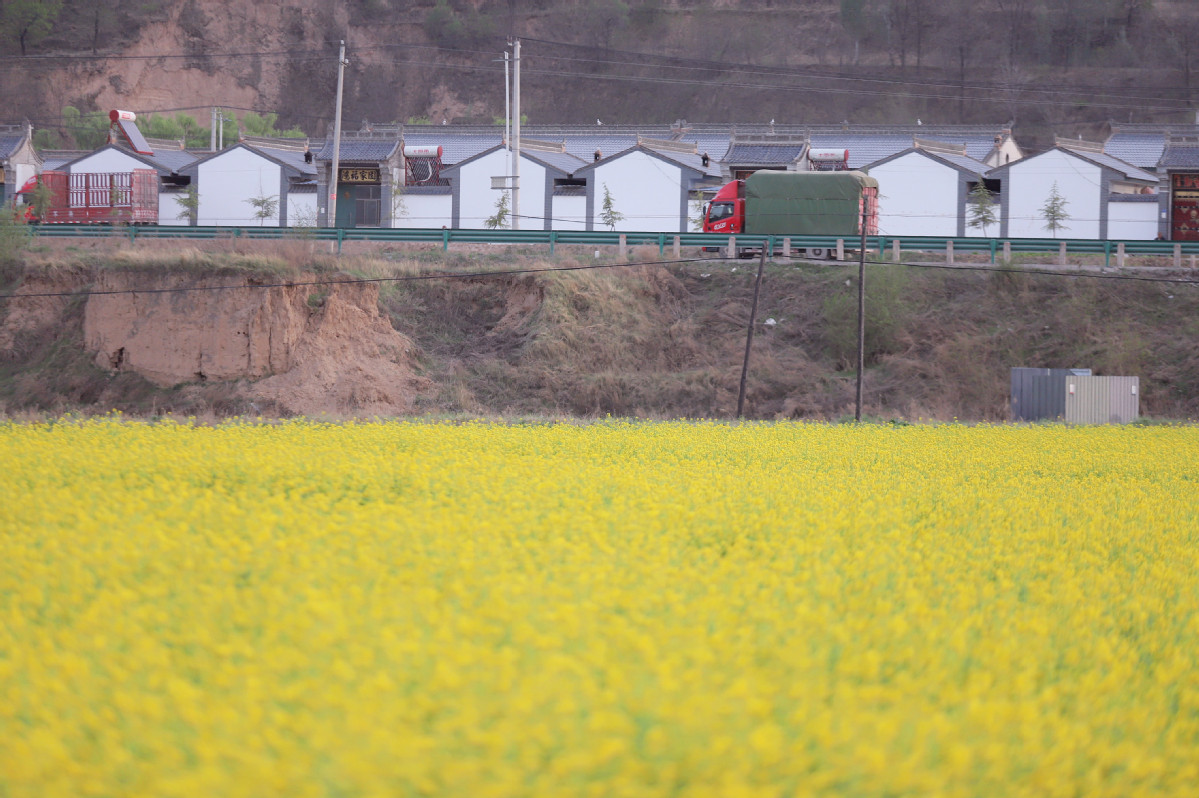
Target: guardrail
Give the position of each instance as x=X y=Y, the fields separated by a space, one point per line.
x=893 y=246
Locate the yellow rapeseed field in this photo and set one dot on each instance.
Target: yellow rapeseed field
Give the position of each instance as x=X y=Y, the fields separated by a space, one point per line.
x=612 y=609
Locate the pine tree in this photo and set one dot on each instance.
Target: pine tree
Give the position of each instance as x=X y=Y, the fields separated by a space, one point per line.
x=264 y=207
x=610 y=215
x=982 y=207
x=500 y=219
x=1054 y=211
x=189 y=204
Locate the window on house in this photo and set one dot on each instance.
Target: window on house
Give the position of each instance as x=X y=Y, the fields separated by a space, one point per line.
x=369 y=205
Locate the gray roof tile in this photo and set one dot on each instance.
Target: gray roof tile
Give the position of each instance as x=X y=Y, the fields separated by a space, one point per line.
x=1109 y=161
x=1139 y=149
x=368 y=150
x=171 y=160
x=9 y=145
x=559 y=160
x=964 y=162
x=1180 y=157
x=763 y=154
x=290 y=157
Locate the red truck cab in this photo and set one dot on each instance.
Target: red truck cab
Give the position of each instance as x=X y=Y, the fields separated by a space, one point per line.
x=725 y=213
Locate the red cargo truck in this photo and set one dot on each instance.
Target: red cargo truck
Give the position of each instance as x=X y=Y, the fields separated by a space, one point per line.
x=820 y=203
x=94 y=197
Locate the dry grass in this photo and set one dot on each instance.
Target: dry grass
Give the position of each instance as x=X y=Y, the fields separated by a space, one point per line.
x=668 y=341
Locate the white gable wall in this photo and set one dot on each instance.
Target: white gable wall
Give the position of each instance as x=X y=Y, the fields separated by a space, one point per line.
x=1132 y=221
x=169 y=209
x=301 y=209
x=425 y=210
x=477 y=199
x=917 y=197
x=647 y=190
x=1027 y=188
x=570 y=213
x=227 y=182
x=108 y=161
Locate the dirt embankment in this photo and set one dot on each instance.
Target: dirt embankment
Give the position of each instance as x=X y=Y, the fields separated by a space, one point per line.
x=306 y=349
x=187 y=335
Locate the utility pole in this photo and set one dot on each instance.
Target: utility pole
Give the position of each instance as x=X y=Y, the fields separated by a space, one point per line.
x=507 y=117
x=516 y=136
x=212 y=132
x=749 y=333
x=857 y=408
x=341 y=65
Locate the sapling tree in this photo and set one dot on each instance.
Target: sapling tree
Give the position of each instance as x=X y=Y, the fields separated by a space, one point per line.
x=982 y=207
x=1054 y=211
x=610 y=216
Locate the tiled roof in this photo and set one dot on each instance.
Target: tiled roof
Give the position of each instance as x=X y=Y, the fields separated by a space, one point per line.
x=763 y=154
x=559 y=160
x=290 y=157
x=369 y=150
x=865 y=143
x=169 y=161
x=691 y=161
x=1111 y=162
x=9 y=145
x=1180 y=157
x=963 y=162
x=1139 y=149
x=457 y=147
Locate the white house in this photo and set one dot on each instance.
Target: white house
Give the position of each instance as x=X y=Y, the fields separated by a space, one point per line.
x=253 y=185
x=648 y=185
x=543 y=166
x=926 y=191
x=1095 y=187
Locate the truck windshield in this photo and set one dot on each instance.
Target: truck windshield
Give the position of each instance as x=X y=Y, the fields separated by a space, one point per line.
x=720 y=210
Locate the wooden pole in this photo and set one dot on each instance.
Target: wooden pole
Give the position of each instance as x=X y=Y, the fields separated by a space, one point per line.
x=857 y=408
x=749 y=336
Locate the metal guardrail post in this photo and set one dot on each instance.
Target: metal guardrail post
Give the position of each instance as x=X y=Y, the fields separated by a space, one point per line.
x=553 y=240
x=661 y=244
x=445 y=239
x=994 y=243
x=341 y=236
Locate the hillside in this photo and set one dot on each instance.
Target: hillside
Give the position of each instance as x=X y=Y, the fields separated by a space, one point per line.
x=1051 y=66
x=659 y=340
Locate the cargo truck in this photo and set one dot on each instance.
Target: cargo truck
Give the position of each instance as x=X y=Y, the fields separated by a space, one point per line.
x=93 y=197
x=788 y=204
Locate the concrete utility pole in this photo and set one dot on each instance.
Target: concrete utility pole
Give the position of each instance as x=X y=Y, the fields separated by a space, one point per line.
x=516 y=136
x=212 y=132
x=341 y=65
x=507 y=118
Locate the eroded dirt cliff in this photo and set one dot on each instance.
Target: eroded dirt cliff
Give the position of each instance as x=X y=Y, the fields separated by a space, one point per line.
x=298 y=349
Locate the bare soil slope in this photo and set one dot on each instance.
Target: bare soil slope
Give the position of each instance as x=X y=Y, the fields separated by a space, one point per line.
x=653 y=340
